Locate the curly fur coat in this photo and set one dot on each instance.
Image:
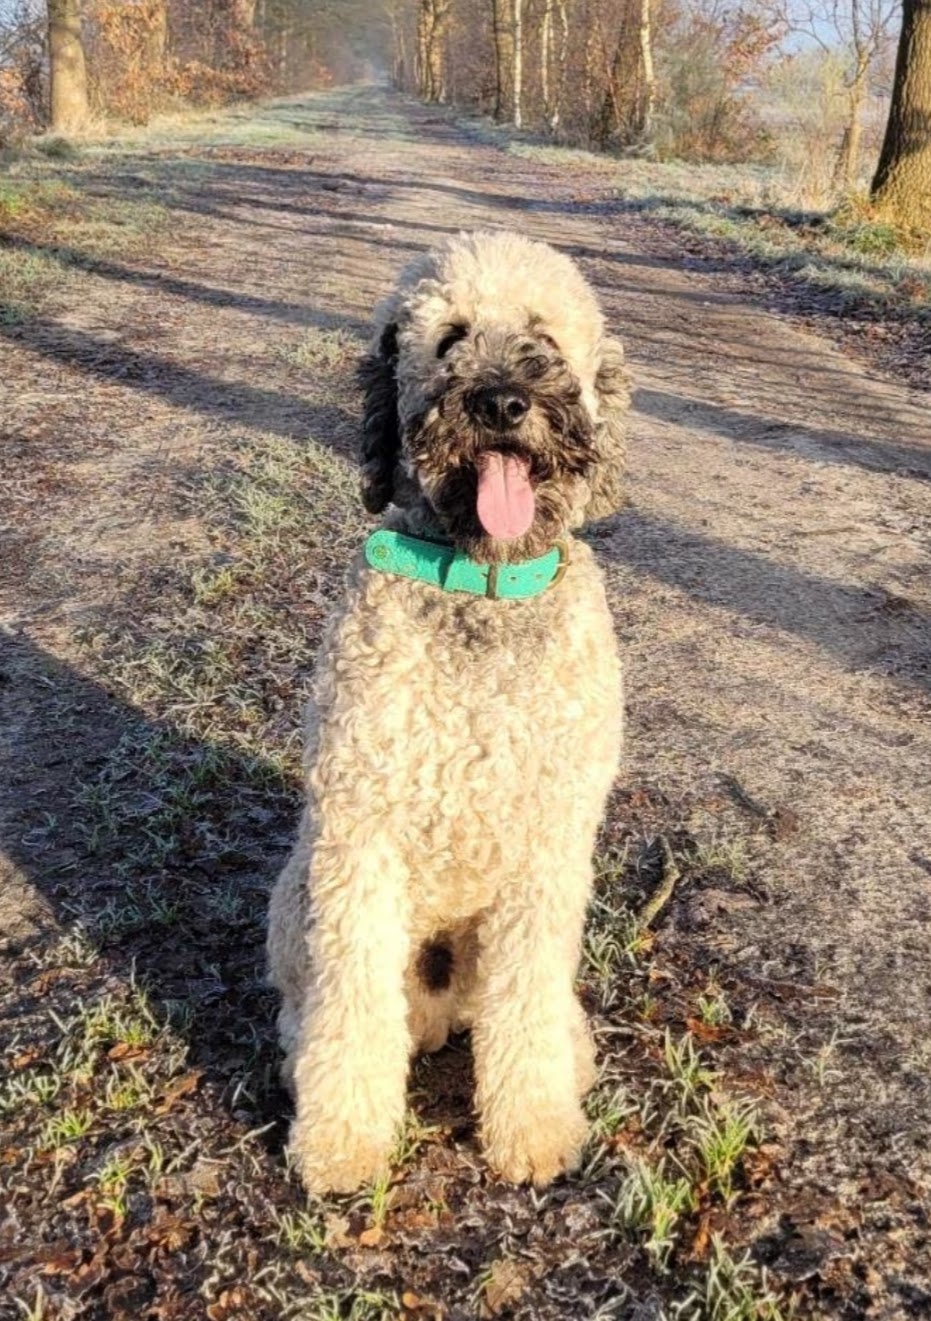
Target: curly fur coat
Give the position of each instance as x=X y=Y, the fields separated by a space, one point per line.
x=459 y=749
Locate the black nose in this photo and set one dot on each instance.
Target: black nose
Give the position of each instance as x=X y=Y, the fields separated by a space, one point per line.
x=499 y=406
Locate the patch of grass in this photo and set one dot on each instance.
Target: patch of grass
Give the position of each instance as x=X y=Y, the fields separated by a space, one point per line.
x=820 y=1064
x=723 y=854
x=377 y=1200
x=689 y=1077
x=720 y=1134
x=112 y=1180
x=26 y=281
x=28 y=1090
x=322 y=349
x=650 y=1203
x=351 y=1305
x=68 y=1126
x=609 y=1109
x=713 y=1009
x=34 y=1310
x=300 y=1231
x=756 y=210
x=111 y=1022
x=58 y=149
x=734 y=1289
x=411 y=1139
x=55 y=230
x=615 y=940
x=14 y=200
x=128 y=1089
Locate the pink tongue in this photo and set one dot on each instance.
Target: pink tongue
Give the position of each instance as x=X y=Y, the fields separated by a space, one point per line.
x=505 y=503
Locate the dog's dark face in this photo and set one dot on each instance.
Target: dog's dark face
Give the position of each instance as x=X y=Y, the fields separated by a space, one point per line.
x=509 y=437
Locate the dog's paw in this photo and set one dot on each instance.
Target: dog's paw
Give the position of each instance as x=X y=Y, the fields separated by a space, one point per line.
x=337 y=1158
x=535 y=1146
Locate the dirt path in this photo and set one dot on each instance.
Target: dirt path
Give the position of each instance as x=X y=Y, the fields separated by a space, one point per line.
x=770 y=580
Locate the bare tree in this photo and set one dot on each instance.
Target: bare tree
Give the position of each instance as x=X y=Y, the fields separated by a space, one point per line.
x=517 y=66
x=902 y=186
x=622 y=114
x=394 y=9
x=503 y=33
x=67 y=68
x=432 y=24
x=647 y=100
x=860 y=30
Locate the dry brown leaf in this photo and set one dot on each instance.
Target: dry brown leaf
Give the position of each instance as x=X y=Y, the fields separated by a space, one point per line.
x=173 y=1093
x=76 y=1198
x=372 y=1237
x=27 y=1057
x=229 y=1303
x=707 y=1032
x=124 y=1051
x=62 y=1264
x=698 y=1250
x=424 y=1309
x=505 y=1285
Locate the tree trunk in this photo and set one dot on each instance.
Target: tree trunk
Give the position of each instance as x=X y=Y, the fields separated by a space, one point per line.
x=848 y=156
x=648 y=83
x=546 y=38
x=431 y=49
x=560 y=65
x=902 y=185
x=156 y=40
x=619 y=115
x=517 y=76
x=67 y=70
x=503 y=33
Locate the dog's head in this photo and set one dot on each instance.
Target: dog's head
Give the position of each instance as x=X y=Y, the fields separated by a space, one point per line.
x=493 y=395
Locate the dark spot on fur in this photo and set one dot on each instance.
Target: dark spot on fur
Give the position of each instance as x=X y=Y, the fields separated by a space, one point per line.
x=435 y=967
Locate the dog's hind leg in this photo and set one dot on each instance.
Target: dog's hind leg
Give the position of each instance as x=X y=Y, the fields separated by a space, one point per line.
x=287 y=948
x=350 y=1065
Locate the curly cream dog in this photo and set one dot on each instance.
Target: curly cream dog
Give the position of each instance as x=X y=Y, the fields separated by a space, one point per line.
x=466 y=723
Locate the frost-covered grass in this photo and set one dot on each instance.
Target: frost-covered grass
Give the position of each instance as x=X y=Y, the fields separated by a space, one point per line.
x=758 y=211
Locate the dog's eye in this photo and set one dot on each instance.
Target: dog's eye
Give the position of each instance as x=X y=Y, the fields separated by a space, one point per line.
x=453 y=335
x=536 y=366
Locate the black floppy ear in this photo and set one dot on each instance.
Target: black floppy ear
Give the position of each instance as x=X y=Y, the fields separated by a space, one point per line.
x=612 y=387
x=381 y=436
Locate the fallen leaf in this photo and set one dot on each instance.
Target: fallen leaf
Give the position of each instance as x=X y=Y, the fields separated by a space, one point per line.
x=505 y=1285
x=424 y=1309
x=27 y=1057
x=698 y=1249
x=76 y=1198
x=124 y=1051
x=707 y=1032
x=62 y=1264
x=173 y=1093
x=371 y=1238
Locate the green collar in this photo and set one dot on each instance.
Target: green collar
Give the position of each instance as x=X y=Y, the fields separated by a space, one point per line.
x=441 y=565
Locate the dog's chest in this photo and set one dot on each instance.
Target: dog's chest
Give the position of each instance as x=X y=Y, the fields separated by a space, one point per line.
x=464 y=730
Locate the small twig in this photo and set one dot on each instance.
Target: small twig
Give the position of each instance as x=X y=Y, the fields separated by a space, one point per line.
x=663 y=893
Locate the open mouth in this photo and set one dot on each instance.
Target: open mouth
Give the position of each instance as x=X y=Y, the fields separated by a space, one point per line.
x=505 y=502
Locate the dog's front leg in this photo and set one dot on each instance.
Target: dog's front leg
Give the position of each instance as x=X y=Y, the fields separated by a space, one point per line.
x=532 y=1051
x=351 y=1064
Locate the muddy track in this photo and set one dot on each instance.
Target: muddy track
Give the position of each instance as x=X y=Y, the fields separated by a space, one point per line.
x=769 y=577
